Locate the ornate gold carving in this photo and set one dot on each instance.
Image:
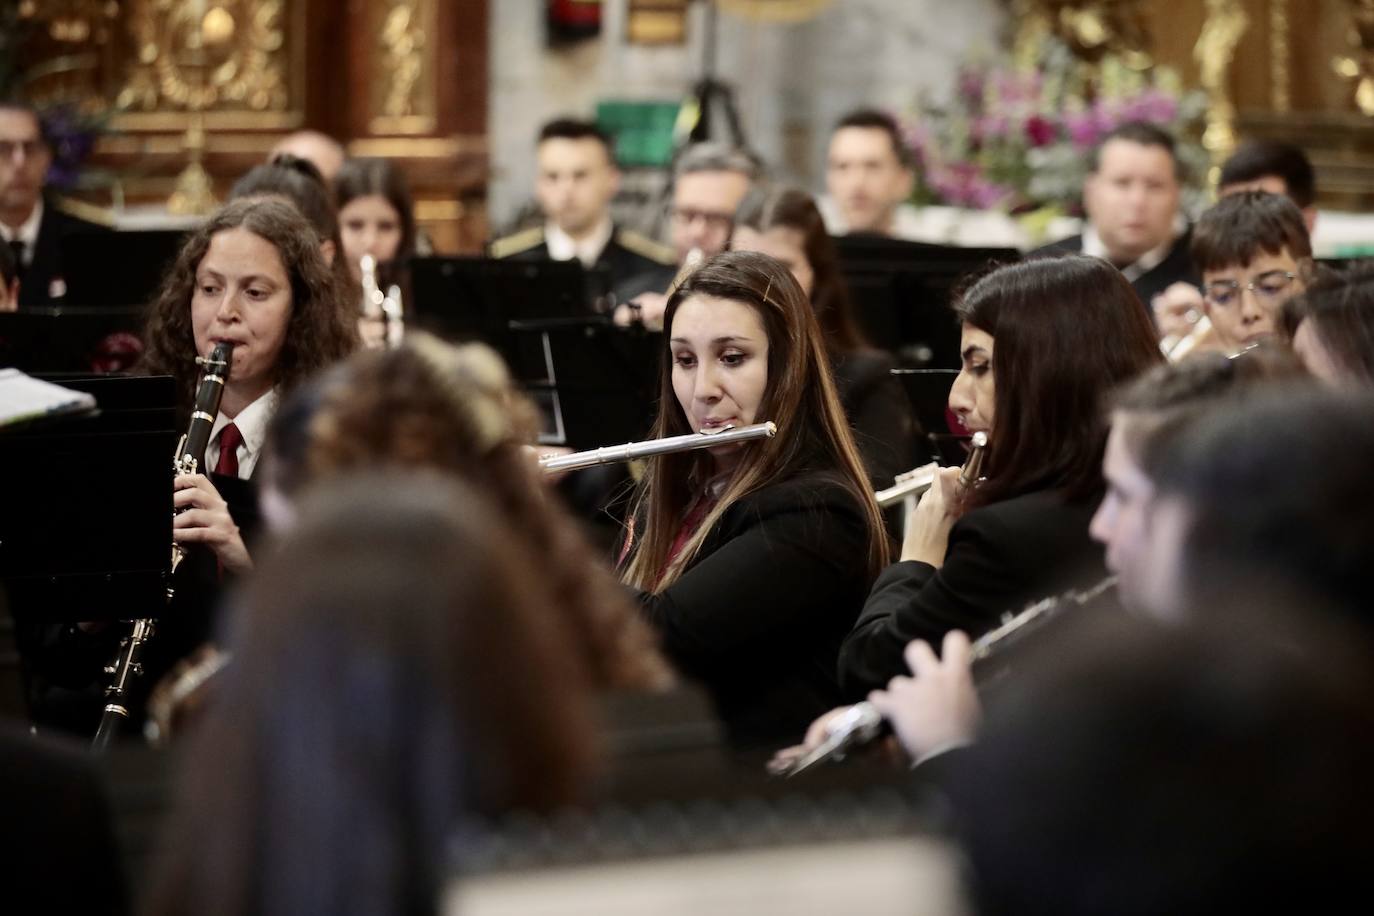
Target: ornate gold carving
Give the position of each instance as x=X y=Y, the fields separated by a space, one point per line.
x=199 y=54
x=1280 y=57
x=1092 y=29
x=1359 y=66
x=1216 y=45
x=404 y=41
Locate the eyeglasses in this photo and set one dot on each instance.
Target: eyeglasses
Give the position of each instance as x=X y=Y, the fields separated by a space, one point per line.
x=1268 y=288
x=31 y=148
x=685 y=216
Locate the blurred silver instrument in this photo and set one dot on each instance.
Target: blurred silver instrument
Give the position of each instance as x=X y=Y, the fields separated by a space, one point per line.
x=378 y=306
x=854 y=727
x=1015 y=627
x=631 y=450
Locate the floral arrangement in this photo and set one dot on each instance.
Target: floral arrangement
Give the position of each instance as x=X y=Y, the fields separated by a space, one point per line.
x=1017 y=139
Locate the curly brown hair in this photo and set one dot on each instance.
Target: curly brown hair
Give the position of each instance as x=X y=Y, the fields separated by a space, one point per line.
x=321 y=329
x=454 y=408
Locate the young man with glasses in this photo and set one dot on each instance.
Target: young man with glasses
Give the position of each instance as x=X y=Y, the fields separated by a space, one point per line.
x=31 y=225
x=1255 y=254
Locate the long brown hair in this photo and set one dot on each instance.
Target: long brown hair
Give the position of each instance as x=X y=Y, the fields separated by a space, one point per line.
x=813 y=434
x=320 y=331
x=392 y=675
x=793 y=209
x=428 y=404
x=1066 y=332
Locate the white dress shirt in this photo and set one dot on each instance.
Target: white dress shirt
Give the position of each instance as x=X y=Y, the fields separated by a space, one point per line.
x=27 y=233
x=252 y=423
x=562 y=247
x=1093 y=245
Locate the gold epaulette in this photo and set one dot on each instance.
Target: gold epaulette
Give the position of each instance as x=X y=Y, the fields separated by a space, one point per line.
x=514 y=244
x=89 y=212
x=646 y=247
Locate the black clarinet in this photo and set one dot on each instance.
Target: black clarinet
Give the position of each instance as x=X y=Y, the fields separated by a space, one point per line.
x=188 y=459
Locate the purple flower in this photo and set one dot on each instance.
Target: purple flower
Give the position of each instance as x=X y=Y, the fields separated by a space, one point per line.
x=1040 y=131
x=1083 y=129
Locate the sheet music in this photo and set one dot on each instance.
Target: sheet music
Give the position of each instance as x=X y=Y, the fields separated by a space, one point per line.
x=24 y=398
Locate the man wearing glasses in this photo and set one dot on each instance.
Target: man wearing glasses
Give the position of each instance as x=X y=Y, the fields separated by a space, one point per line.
x=31 y=225
x=1254 y=253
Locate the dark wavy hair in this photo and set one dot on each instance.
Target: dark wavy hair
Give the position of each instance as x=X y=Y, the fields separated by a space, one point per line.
x=1066 y=332
x=1339 y=307
x=428 y=404
x=801 y=398
x=321 y=329
x=793 y=209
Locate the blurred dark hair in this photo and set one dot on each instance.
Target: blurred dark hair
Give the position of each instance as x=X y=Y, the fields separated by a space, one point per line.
x=455 y=409
x=793 y=209
x=1216 y=766
x=874 y=119
x=1066 y=331
x=1276 y=489
x=1258 y=159
x=370 y=708
x=1339 y=308
x=1141 y=133
x=1163 y=402
x=1242 y=226
x=577 y=129
x=299 y=181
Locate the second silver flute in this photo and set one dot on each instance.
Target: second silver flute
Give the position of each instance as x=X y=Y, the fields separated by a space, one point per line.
x=632 y=450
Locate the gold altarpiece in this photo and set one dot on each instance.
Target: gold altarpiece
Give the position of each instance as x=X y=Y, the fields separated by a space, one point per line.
x=1296 y=70
x=220 y=81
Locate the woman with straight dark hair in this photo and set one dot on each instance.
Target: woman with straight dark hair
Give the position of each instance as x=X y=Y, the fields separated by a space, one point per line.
x=786 y=224
x=752 y=559
x=376 y=219
x=1044 y=343
x=1331 y=327
x=393 y=674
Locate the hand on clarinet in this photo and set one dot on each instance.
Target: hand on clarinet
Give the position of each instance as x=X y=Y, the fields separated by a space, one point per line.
x=927 y=529
x=937 y=707
x=203 y=518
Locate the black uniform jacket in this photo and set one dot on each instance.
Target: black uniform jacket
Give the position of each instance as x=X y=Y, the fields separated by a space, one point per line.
x=1177 y=266
x=635 y=264
x=1001 y=557
x=759 y=617
x=46 y=265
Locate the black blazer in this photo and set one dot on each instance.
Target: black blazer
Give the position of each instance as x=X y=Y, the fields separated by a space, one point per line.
x=759 y=617
x=53 y=231
x=879 y=414
x=633 y=263
x=1177 y=266
x=1000 y=558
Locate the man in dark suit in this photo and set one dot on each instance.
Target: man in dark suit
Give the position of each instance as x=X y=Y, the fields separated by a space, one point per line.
x=577 y=177
x=31 y=224
x=1131 y=199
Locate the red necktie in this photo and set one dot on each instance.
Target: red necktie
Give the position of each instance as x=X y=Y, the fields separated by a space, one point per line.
x=229 y=441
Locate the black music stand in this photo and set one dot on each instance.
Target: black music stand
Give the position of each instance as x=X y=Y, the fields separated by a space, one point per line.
x=85 y=533
x=118 y=268
x=903 y=290
x=71 y=339
x=928 y=391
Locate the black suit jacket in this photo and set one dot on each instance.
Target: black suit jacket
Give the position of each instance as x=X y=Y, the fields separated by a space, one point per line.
x=1000 y=558
x=632 y=263
x=759 y=617
x=53 y=231
x=1177 y=266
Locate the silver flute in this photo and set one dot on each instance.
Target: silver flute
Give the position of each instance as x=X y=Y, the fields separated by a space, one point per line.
x=631 y=450
x=917 y=481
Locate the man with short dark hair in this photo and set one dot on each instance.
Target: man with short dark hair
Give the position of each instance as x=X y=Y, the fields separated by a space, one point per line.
x=1131 y=199
x=577 y=178
x=869 y=177
x=31 y=224
x=1279 y=168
